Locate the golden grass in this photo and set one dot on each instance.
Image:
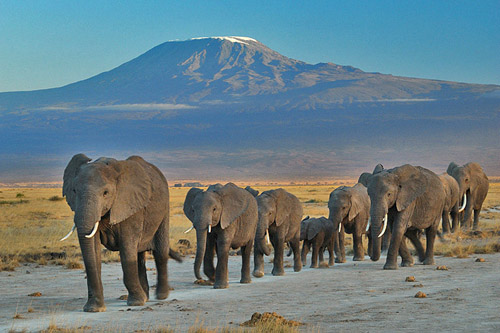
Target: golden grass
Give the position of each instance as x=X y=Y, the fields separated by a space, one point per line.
x=30 y=231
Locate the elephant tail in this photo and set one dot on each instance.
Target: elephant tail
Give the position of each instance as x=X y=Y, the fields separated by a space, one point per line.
x=174 y=255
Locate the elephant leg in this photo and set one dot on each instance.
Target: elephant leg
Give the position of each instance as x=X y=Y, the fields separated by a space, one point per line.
x=407 y=259
x=278 y=256
x=386 y=240
x=321 y=254
x=297 y=260
x=246 y=252
x=396 y=238
x=445 y=222
x=454 y=219
x=476 y=218
x=143 y=276
x=413 y=237
x=221 y=272
x=430 y=234
x=315 y=252
x=359 y=252
x=128 y=258
x=305 y=251
x=331 y=259
x=208 y=259
x=341 y=256
x=258 y=263
x=336 y=246
x=466 y=222
x=160 y=254
x=369 y=244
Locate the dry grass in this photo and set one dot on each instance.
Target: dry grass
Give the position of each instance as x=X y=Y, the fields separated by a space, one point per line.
x=33 y=220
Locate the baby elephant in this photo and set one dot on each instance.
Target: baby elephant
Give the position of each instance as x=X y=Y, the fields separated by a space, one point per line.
x=318 y=233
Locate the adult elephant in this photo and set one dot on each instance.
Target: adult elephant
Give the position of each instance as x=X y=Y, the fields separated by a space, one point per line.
x=349 y=211
x=451 y=189
x=280 y=213
x=473 y=187
x=411 y=199
x=224 y=217
x=125 y=206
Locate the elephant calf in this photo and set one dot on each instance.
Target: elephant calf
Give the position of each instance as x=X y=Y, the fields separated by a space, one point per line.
x=349 y=212
x=318 y=234
x=224 y=217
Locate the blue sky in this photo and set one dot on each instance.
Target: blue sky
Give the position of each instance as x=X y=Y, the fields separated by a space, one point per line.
x=46 y=44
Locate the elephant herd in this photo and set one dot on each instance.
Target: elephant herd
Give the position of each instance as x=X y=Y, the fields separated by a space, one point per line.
x=124 y=205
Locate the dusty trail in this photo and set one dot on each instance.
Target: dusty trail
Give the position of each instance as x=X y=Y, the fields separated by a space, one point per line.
x=352 y=296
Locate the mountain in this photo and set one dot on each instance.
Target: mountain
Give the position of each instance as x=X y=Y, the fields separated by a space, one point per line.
x=263 y=114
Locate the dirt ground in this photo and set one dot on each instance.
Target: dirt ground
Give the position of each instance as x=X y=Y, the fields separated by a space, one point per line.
x=357 y=296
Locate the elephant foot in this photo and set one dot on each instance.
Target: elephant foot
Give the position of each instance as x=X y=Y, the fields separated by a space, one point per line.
x=358 y=258
x=221 y=285
x=162 y=293
x=246 y=279
x=94 y=306
x=136 y=301
x=297 y=268
x=391 y=266
x=331 y=263
x=407 y=263
x=278 y=272
x=340 y=260
x=314 y=266
x=258 y=274
x=428 y=261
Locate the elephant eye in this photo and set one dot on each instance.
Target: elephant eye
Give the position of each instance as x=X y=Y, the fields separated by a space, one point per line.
x=74 y=191
x=106 y=193
x=388 y=194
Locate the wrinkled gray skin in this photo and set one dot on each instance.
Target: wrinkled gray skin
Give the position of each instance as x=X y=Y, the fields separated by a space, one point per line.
x=318 y=234
x=252 y=191
x=130 y=199
x=350 y=208
x=473 y=183
x=280 y=212
x=364 y=179
x=413 y=198
x=451 y=189
x=232 y=213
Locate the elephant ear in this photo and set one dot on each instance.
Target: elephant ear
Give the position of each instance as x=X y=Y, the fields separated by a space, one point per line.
x=412 y=184
x=69 y=175
x=283 y=206
x=252 y=191
x=188 y=202
x=356 y=206
x=451 y=167
x=133 y=190
x=364 y=178
x=235 y=202
x=214 y=187
x=313 y=228
x=378 y=168
x=303 y=228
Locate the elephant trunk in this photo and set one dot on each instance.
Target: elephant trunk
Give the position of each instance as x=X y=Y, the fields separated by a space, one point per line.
x=201 y=244
x=336 y=218
x=377 y=228
x=261 y=238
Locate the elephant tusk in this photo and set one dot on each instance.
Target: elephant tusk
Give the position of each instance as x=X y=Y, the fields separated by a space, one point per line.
x=192 y=227
x=96 y=226
x=368 y=225
x=69 y=233
x=267 y=237
x=340 y=226
x=385 y=226
x=209 y=228
x=461 y=209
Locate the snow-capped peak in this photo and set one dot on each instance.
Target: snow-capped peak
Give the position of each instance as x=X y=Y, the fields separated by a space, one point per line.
x=232 y=39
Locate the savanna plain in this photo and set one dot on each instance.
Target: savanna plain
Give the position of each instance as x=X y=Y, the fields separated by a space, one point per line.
x=43 y=286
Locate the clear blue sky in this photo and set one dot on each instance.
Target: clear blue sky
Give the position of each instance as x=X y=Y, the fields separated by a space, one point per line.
x=47 y=44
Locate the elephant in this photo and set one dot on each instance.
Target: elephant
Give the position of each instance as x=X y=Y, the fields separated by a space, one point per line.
x=451 y=189
x=125 y=206
x=349 y=211
x=280 y=213
x=224 y=217
x=409 y=199
x=364 y=179
x=318 y=234
x=473 y=187
x=252 y=191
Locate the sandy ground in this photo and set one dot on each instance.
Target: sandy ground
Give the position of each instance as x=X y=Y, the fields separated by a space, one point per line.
x=353 y=296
